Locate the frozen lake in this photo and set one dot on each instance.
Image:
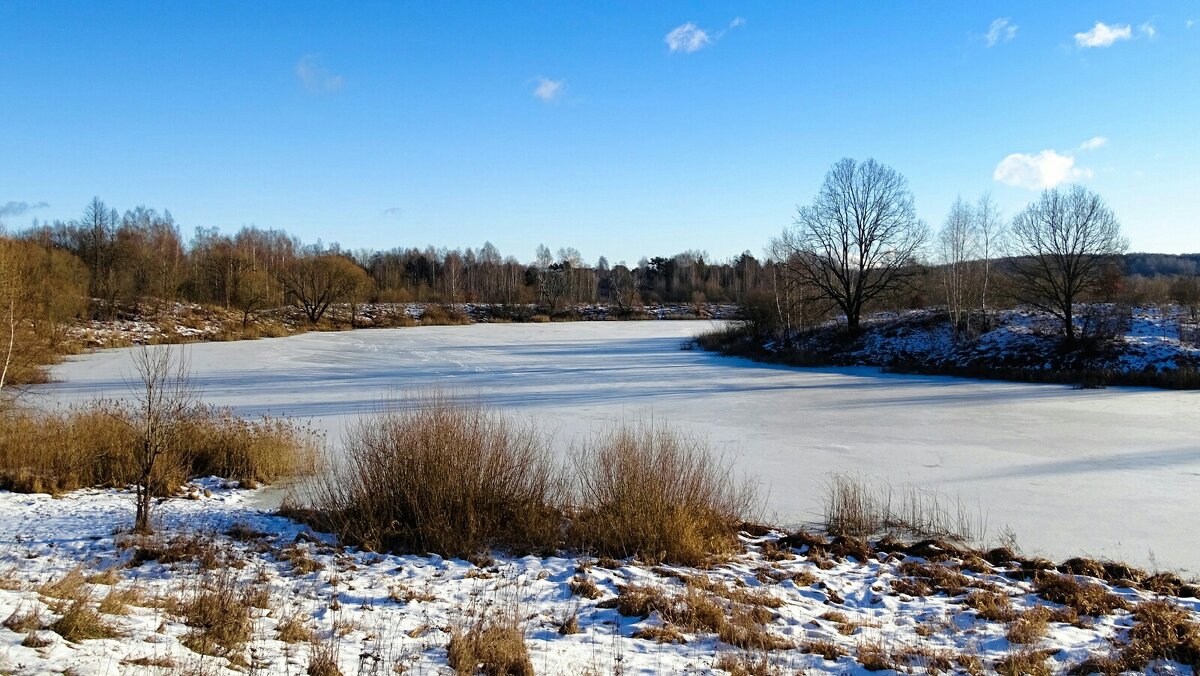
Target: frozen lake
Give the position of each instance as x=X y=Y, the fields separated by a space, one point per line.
x=1108 y=473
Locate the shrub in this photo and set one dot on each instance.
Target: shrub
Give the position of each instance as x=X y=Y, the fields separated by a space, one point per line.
x=494 y=645
x=95 y=445
x=434 y=476
x=857 y=507
x=658 y=495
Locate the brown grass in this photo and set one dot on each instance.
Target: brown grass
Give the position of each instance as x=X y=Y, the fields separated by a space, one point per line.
x=1162 y=630
x=993 y=606
x=494 y=646
x=581 y=585
x=294 y=629
x=95 y=445
x=742 y=664
x=81 y=622
x=1029 y=627
x=1025 y=663
x=23 y=621
x=826 y=649
x=660 y=634
x=1085 y=598
x=695 y=610
x=858 y=507
x=218 y=611
x=434 y=476
x=658 y=495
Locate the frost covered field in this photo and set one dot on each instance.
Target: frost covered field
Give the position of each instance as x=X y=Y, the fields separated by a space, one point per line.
x=1109 y=473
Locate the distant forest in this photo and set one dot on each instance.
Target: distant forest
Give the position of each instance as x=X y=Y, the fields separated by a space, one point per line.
x=107 y=259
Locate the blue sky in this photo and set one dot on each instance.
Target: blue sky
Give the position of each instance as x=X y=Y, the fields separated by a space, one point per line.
x=624 y=129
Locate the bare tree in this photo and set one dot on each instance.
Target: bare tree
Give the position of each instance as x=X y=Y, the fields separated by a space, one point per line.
x=164 y=397
x=992 y=233
x=316 y=282
x=10 y=285
x=858 y=237
x=958 y=244
x=1061 y=244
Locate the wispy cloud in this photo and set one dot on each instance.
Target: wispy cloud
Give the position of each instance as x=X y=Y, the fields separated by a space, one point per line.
x=687 y=38
x=1093 y=143
x=11 y=208
x=547 y=89
x=315 y=77
x=1189 y=23
x=1001 y=30
x=1148 y=29
x=1038 y=172
x=393 y=212
x=1104 y=35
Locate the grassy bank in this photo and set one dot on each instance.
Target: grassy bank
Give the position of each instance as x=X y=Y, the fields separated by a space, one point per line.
x=1056 y=363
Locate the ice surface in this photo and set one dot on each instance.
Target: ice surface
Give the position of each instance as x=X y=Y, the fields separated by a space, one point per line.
x=1108 y=473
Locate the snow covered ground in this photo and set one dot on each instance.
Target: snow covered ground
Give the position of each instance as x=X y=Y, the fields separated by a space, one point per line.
x=393 y=614
x=1109 y=473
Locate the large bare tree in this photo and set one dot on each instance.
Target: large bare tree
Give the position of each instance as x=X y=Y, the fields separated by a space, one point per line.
x=317 y=281
x=857 y=239
x=1060 y=244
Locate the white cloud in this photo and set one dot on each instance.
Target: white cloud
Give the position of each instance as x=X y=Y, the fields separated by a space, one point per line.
x=1038 y=172
x=1148 y=29
x=737 y=22
x=315 y=77
x=1001 y=30
x=1103 y=35
x=687 y=38
x=1094 y=143
x=1189 y=23
x=547 y=89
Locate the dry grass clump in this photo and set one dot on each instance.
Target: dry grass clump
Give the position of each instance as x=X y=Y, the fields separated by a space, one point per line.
x=742 y=664
x=694 y=610
x=925 y=579
x=494 y=646
x=22 y=621
x=1085 y=598
x=96 y=445
x=294 y=629
x=993 y=606
x=197 y=547
x=68 y=587
x=581 y=585
x=855 y=506
x=435 y=476
x=658 y=495
x=1025 y=663
x=826 y=649
x=218 y=612
x=874 y=656
x=81 y=622
x=1162 y=630
x=660 y=634
x=1029 y=627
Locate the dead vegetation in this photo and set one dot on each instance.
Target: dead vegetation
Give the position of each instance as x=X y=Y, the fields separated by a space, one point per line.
x=431 y=475
x=858 y=507
x=218 y=612
x=696 y=611
x=493 y=644
x=96 y=445
x=656 y=494
x=81 y=622
x=1085 y=598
